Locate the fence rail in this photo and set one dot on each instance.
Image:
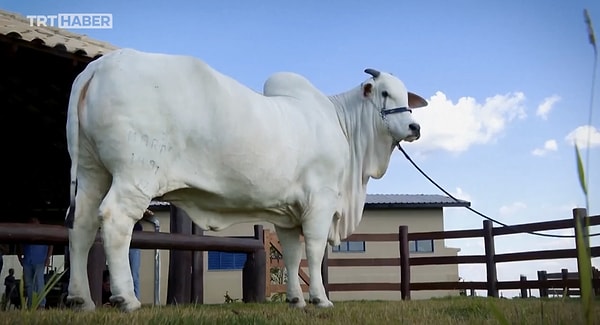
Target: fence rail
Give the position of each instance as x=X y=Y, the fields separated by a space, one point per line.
x=490 y=258
x=186 y=247
x=186 y=242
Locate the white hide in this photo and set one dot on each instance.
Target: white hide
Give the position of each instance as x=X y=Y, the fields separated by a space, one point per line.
x=143 y=126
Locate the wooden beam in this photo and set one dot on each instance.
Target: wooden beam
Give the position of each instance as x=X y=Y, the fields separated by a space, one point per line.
x=45 y=49
x=180 y=261
x=197 y=270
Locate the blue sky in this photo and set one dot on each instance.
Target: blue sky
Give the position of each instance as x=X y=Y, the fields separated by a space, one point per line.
x=507 y=82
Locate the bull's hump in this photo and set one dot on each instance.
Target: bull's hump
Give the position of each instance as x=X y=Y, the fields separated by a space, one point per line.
x=289 y=84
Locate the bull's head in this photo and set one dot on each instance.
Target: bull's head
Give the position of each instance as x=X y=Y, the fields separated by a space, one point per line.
x=394 y=103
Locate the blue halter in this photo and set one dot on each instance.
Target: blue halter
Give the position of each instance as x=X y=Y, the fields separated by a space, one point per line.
x=385 y=112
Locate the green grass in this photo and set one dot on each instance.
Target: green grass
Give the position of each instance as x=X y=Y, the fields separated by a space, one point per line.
x=447 y=311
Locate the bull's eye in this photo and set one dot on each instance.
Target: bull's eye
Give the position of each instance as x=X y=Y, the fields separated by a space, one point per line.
x=384 y=93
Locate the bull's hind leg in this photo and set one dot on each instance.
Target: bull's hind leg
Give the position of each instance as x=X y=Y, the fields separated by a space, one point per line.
x=120 y=210
x=81 y=237
x=292 y=254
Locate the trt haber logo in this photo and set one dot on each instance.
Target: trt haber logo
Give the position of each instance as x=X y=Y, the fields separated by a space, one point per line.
x=73 y=21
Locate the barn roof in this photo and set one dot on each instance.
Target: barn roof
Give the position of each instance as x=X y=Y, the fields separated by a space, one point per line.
x=18 y=27
x=393 y=201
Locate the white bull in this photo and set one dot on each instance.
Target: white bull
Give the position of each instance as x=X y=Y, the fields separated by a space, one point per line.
x=143 y=126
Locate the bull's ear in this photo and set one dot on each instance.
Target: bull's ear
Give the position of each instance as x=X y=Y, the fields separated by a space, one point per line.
x=416 y=101
x=367 y=89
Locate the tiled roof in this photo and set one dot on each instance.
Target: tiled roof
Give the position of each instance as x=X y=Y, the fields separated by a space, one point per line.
x=18 y=27
x=412 y=201
x=397 y=201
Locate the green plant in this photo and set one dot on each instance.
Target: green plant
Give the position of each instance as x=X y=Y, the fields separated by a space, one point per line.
x=36 y=299
x=279 y=297
x=278 y=276
x=583 y=244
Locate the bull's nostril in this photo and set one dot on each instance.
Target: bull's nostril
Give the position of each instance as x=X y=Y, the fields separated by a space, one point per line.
x=414 y=127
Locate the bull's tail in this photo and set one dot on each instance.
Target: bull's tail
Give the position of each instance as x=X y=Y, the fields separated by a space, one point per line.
x=76 y=106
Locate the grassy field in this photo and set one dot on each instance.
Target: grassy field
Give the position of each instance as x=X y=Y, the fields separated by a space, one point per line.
x=463 y=310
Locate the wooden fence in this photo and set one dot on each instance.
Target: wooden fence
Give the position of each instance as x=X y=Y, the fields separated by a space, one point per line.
x=566 y=287
x=492 y=285
x=490 y=259
x=185 y=243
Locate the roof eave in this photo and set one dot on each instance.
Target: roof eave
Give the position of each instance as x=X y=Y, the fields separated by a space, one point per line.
x=57 y=50
x=415 y=205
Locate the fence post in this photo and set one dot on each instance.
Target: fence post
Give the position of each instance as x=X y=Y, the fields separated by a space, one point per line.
x=253 y=273
x=523 y=280
x=490 y=259
x=197 y=270
x=180 y=261
x=543 y=283
x=565 y=278
x=404 y=263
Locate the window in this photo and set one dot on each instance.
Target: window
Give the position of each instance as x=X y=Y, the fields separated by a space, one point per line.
x=226 y=261
x=350 y=246
x=420 y=246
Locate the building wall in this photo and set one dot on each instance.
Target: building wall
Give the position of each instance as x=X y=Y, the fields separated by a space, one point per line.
x=218 y=282
x=388 y=221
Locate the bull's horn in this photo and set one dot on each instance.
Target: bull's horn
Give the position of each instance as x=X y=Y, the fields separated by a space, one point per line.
x=373 y=72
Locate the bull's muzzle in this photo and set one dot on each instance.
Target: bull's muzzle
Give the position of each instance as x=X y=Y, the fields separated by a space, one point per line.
x=415 y=128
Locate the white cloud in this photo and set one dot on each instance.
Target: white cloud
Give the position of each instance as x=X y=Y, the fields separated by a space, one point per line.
x=456 y=126
x=459 y=194
x=549 y=145
x=546 y=106
x=512 y=209
x=582 y=134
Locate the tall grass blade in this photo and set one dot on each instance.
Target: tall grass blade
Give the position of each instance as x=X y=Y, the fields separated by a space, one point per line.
x=590 y=29
x=582 y=236
x=580 y=171
x=36 y=298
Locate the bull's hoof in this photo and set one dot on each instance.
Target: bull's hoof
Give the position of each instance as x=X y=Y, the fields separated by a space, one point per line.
x=124 y=304
x=79 y=303
x=296 y=302
x=321 y=303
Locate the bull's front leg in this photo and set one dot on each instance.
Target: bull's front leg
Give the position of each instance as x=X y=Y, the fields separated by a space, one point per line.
x=292 y=254
x=316 y=229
